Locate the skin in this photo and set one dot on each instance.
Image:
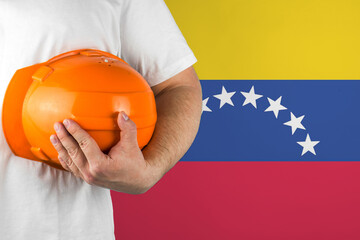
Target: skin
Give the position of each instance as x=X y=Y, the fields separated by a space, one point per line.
x=127 y=168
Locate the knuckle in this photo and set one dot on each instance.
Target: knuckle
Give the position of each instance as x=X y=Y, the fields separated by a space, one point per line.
x=59 y=148
x=63 y=164
x=64 y=158
x=132 y=130
x=73 y=152
x=63 y=152
x=132 y=126
x=94 y=170
x=62 y=137
x=68 y=162
x=90 y=179
x=84 y=143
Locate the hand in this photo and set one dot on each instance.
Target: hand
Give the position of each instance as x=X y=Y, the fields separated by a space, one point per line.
x=123 y=169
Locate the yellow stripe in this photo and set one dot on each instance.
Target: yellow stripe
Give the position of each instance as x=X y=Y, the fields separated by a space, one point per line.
x=272 y=39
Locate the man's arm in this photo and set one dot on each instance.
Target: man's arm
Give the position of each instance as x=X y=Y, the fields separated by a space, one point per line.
x=179 y=103
x=126 y=168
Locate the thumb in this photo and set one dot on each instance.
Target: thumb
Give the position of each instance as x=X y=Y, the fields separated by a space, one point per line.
x=128 y=130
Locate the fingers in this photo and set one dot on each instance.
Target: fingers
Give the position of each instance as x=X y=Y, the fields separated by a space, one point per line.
x=65 y=160
x=86 y=143
x=69 y=150
x=128 y=130
x=128 y=136
x=63 y=164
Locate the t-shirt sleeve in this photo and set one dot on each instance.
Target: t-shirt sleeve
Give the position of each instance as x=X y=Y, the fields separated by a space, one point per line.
x=151 y=41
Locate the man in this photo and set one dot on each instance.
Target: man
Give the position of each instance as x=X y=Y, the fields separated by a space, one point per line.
x=41 y=202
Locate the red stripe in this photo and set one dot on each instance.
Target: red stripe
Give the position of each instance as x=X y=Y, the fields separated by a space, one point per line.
x=245 y=200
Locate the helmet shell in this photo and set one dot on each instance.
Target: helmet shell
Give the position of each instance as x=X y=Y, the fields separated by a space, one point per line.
x=87 y=85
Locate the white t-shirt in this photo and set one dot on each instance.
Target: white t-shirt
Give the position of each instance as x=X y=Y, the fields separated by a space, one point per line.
x=36 y=200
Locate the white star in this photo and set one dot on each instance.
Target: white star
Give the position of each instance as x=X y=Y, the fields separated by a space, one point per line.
x=225 y=97
x=251 y=97
x=308 y=145
x=204 y=107
x=295 y=123
x=275 y=106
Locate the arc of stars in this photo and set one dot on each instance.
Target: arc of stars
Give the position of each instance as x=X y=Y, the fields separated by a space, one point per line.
x=275 y=107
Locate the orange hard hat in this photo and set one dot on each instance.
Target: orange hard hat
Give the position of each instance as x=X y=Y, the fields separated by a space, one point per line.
x=87 y=85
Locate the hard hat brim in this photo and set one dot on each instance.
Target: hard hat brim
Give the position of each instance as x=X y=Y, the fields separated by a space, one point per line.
x=12 y=109
x=12 y=113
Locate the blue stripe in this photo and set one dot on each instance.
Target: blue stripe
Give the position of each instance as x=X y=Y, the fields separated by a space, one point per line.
x=243 y=133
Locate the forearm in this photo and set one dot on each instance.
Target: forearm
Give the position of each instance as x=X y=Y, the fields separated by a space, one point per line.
x=179 y=113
